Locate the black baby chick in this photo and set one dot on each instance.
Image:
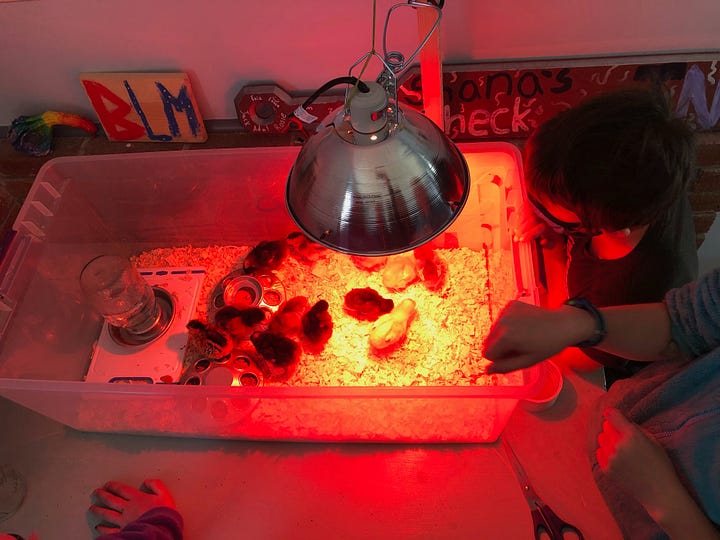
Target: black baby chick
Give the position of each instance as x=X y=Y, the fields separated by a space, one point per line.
x=266 y=256
x=317 y=326
x=279 y=354
x=366 y=304
x=239 y=323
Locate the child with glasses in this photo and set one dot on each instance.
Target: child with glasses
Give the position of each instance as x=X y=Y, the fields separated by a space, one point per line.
x=608 y=178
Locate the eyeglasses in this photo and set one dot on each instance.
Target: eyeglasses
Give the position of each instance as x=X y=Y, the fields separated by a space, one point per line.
x=568 y=228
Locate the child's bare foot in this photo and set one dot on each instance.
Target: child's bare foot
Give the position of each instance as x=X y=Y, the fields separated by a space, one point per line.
x=119 y=504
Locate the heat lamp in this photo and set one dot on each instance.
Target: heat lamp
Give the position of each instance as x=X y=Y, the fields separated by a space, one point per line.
x=376 y=179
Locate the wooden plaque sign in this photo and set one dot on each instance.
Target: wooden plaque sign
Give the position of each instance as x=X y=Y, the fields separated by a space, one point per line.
x=508 y=100
x=145 y=106
x=511 y=102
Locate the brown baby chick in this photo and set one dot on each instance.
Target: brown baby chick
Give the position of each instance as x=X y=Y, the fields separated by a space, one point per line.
x=288 y=319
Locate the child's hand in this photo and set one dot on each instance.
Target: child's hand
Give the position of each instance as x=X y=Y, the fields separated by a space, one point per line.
x=120 y=504
x=635 y=461
x=526 y=225
x=525 y=334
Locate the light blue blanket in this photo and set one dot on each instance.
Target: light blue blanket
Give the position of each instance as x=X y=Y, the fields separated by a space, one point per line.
x=678 y=403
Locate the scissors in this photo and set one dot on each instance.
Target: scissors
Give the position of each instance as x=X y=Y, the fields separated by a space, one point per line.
x=545 y=521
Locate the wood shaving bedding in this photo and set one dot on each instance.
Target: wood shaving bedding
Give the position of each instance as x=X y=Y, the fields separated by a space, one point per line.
x=443 y=343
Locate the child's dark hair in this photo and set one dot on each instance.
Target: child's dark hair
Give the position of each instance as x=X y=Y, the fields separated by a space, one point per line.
x=617 y=160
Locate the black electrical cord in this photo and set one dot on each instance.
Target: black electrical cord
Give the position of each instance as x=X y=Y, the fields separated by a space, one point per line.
x=334 y=82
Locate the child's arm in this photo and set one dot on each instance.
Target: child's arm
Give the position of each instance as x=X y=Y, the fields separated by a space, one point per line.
x=641 y=466
x=639 y=332
x=526 y=334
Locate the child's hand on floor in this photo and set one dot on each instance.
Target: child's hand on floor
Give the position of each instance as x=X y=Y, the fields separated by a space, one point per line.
x=119 y=504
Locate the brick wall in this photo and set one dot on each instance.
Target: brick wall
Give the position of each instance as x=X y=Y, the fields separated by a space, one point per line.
x=17 y=171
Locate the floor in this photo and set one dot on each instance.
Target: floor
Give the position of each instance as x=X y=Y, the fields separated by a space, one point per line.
x=250 y=490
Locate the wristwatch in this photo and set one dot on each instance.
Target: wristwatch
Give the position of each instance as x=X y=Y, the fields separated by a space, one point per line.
x=600 y=327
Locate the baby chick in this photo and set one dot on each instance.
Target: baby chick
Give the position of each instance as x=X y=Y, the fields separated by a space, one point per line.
x=288 y=319
x=239 y=323
x=267 y=255
x=279 y=354
x=317 y=326
x=392 y=327
x=366 y=304
x=305 y=249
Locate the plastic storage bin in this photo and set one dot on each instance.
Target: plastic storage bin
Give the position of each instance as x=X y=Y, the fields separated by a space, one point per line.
x=80 y=207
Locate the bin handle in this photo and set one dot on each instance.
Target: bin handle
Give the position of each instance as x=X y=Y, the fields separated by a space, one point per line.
x=13 y=251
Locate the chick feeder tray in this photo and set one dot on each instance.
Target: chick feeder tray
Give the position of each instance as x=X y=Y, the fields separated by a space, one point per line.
x=117 y=359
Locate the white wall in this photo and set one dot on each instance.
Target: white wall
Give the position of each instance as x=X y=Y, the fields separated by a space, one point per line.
x=224 y=44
